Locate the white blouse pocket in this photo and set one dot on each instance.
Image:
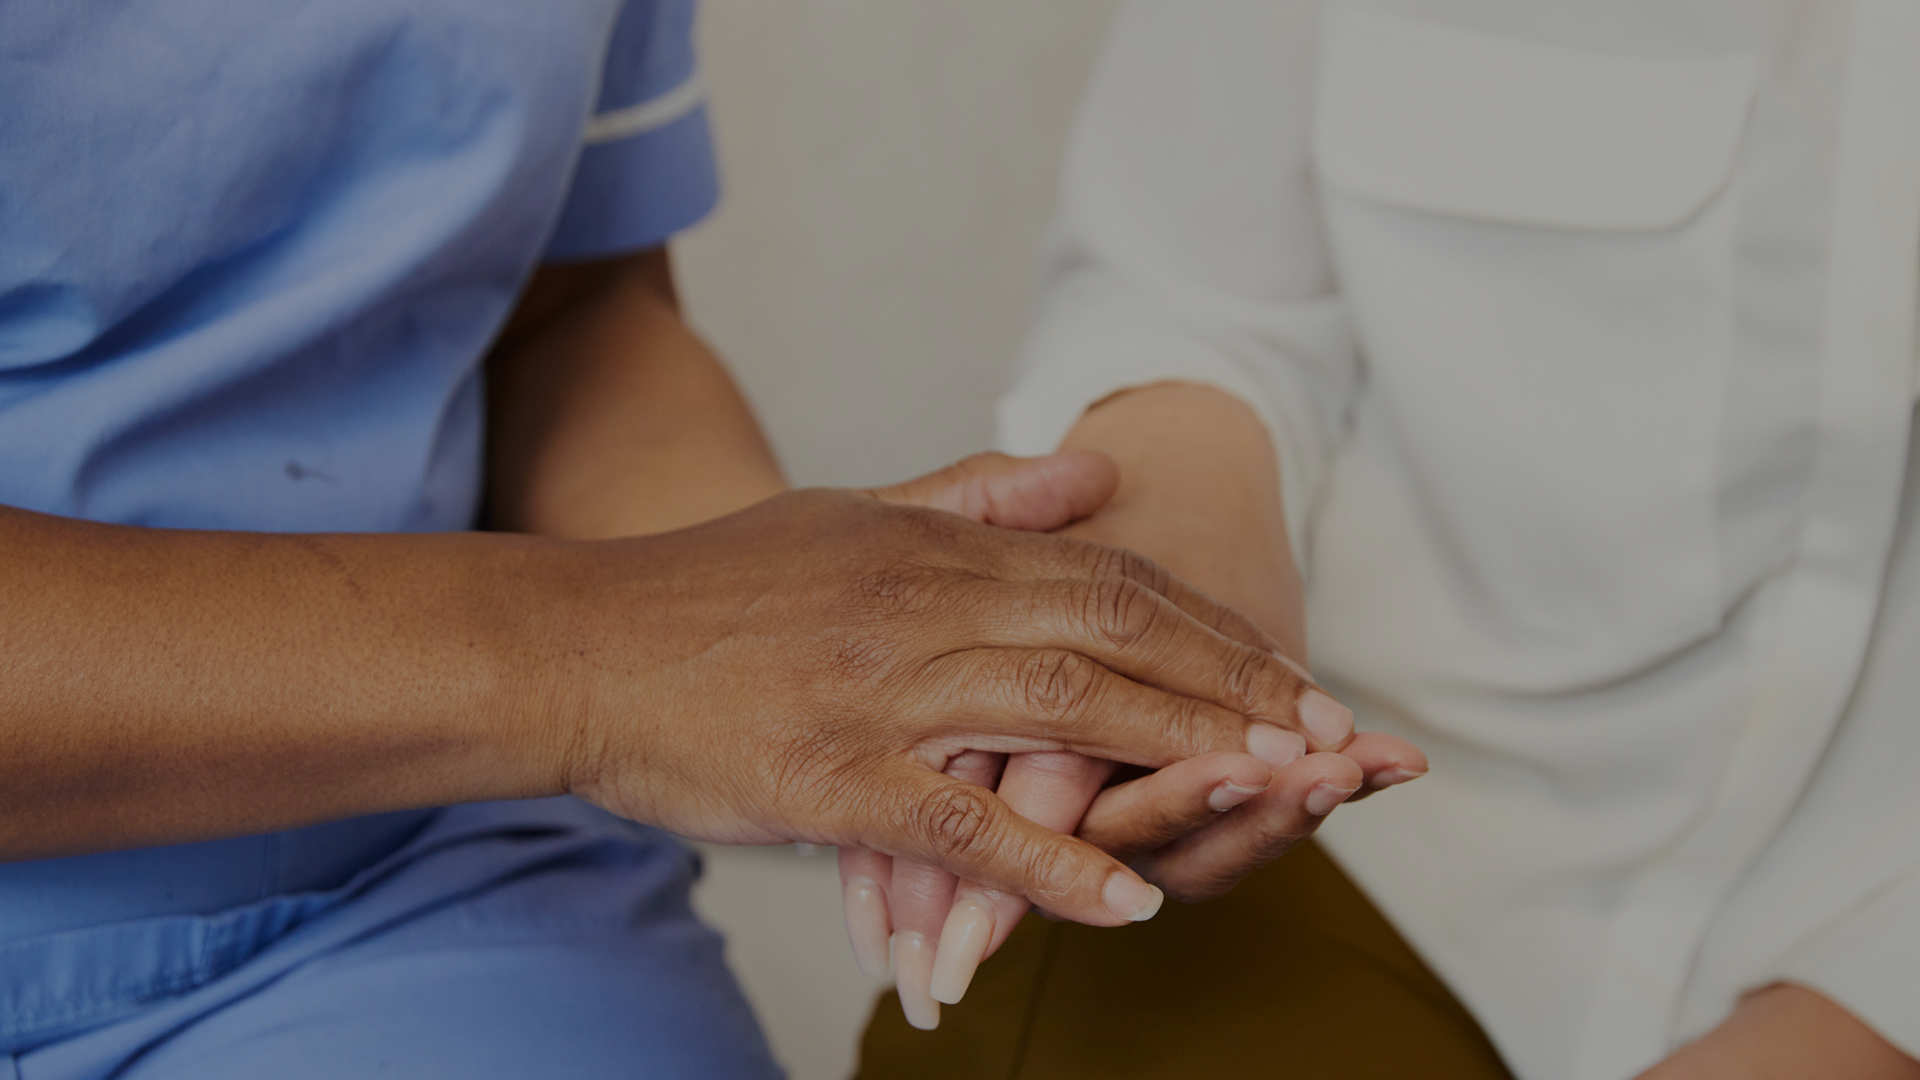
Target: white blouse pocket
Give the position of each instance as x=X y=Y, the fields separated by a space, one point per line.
x=1537 y=244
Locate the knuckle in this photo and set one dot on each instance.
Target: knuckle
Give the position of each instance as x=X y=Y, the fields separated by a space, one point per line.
x=956 y=819
x=1126 y=564
x=1252 y=678
x=1054 y=682
x=1119 y=611
x=1149 y=574
x=1230 y=623
x=1053 y=875
x=1186 y=724
x=980 y=496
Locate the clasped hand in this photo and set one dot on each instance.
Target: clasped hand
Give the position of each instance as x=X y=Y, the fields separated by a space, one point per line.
x=1194 y=826
x=816 y=666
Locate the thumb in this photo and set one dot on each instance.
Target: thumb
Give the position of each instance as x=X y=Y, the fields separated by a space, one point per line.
x=1038 y=493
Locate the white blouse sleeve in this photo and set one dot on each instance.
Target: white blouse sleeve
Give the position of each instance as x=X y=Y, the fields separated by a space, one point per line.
x=1188 y=241
x=1834 y=902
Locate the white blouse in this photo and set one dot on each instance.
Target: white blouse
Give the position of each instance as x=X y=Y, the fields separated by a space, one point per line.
x=1584 y=330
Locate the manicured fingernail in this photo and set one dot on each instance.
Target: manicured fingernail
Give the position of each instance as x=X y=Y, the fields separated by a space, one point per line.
x=1275 y=746
x=963 y=944
x=866 y=910
x=1130 y=898
x=1324 y=797
x=1329 y=722
x=1226 y=795
x=912 y=973
x=1387 y=778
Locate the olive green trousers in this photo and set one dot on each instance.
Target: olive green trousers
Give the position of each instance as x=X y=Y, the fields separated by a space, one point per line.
x=1293 y=974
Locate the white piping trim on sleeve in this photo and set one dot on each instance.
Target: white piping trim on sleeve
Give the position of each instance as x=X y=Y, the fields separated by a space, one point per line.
x=644 y=116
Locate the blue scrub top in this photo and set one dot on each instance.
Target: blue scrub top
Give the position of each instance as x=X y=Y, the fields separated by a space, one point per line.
x=251 y=257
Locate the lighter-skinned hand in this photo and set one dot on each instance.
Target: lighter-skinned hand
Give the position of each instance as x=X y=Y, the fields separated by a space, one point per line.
x=1182 y=825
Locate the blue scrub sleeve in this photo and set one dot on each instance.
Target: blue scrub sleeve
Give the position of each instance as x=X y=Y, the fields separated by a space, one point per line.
x=647 y=170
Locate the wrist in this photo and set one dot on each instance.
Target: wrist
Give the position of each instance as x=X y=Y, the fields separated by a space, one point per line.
x=1186 y=441
x=526 y=599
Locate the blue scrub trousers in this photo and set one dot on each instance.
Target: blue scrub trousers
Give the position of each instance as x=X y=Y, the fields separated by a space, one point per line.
x=533 y=939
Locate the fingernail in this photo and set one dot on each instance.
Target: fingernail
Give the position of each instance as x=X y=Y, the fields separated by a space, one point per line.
x=866 y=911
x=1324 y=797
x=963 y=944
x=912 y=972
x=1130 y=898
x=1226 y=795
x=1387 y=778
x=1275 y=746
x=1329 y=722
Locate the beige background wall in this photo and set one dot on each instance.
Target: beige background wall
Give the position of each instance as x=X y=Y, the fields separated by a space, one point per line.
x=888 y=167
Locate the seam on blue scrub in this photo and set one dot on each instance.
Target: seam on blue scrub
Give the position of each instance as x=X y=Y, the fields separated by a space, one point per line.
x=192 y=951
x=183 y=953
x=78 y=1014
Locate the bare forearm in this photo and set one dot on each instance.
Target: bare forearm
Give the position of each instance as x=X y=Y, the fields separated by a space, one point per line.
x=613 y=418
x=162 y=685
x=159 y=686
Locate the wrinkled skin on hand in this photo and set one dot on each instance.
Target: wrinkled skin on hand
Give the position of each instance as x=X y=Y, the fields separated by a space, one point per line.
x=1195 y=827
x=813 y=664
